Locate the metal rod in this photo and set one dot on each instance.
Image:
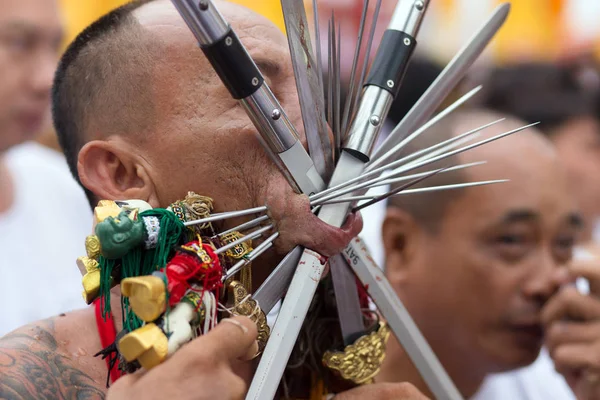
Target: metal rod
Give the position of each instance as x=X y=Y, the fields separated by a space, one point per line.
x=243 y=239
x=418 y=190
x=246 y=225
x=401 y=161
x=447 y=111
x=384 y=196
x=227 y=215
x=446 y=81
x=386 y=179
x=259 y=250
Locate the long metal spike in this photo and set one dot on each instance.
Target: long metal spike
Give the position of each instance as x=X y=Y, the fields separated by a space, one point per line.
x=418 y=190
x=338 y=84
x=227 y=215
x=245 y=225
x=384 y=196
x=386 y=180
x=309 y=91
x=415 y=165
x=329 y=78
x=259 y=250
x=445 y=82
x=318 y=46
x=441 y=115
x=364 y=68
x=402 y=161
x=250 y=236
x=350 y=91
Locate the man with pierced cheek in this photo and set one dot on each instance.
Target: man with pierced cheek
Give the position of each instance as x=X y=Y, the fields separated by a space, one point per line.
x=141 y=115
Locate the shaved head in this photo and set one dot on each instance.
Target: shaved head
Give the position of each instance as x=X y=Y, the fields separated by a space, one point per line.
x=429 y=208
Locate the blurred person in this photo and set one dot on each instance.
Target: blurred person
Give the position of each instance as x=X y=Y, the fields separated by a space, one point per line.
x=477 y=267
x=41 y=208
x=566 y=100
x=159 y=125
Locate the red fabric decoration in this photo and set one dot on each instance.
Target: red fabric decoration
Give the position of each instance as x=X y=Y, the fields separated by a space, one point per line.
x=108 y=334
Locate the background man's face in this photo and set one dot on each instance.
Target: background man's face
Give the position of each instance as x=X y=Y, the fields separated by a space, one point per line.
x=482 y=279
x=30 y=36
x=578 y=145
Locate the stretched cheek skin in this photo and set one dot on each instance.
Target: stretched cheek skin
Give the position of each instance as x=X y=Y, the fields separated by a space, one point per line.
x=297 y=225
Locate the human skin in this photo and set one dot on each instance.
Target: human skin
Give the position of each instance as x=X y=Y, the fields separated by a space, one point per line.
x=477 y=285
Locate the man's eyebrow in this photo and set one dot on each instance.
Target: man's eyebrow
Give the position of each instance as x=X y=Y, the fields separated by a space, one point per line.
x=268 y=67
x=27 y=28
x=519 y=216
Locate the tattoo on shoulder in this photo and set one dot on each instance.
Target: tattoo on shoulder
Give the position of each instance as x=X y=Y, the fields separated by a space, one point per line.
x=32 y=367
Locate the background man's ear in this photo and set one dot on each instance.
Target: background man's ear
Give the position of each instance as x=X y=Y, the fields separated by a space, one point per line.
x=112 y=171
x=400 y=234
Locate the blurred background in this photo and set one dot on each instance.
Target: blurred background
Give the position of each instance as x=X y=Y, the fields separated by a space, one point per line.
x=549 y=31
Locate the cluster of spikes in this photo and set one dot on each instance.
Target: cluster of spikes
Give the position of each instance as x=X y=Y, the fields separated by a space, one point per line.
x=321 y=108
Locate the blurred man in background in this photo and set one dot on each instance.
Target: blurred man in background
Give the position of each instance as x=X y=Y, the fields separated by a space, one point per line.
x=44 y=215
x=566 y=101
x=479 y=269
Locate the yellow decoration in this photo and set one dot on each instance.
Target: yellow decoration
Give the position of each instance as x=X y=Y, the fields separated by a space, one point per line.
x=105 y=209
x=92 y=246
x=91 y=280
x=148 y=345
x=360 y=361
x=147 y=296
x=248 y=307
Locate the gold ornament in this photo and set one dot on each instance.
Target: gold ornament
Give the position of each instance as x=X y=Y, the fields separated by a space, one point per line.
x=246 y=306
x=239 y=250
x=148 y=345
x=361 y=361
x=147 y=296
x=91 y=279
x=92 y=246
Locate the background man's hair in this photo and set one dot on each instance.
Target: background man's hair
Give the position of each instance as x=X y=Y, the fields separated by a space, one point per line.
x=100 y=86
x=428 y=209
x=536 y=91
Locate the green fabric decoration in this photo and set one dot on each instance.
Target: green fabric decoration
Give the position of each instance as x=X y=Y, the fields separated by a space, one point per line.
x=141 y=261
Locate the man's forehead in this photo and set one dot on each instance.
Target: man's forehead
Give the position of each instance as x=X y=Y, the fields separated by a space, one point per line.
x=163 y=14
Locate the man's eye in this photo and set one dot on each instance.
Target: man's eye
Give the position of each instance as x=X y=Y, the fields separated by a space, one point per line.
x=21 y=44
x=511 y=239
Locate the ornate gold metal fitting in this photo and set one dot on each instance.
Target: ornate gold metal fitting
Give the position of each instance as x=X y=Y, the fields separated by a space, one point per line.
x=92 y=246
x=91 y=279
x=239 y=250
x=361 y=361
x=245 y=305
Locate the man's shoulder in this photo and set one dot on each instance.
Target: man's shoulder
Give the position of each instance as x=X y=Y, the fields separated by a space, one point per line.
x=35 y=364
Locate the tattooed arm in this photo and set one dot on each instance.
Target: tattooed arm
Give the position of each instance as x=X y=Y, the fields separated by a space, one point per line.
x=33 y=366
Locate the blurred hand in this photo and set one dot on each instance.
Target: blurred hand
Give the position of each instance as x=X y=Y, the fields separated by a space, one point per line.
x=209 y=367
x=572 y=322
x=382 y=391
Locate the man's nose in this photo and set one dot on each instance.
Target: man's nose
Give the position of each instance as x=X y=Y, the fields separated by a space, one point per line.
x=545 y=278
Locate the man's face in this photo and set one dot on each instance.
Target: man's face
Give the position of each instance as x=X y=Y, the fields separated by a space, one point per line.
x=205 y=142
x=578 y=145
x=480 y=281
x=30 y=36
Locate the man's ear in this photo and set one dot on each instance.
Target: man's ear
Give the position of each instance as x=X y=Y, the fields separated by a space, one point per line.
x=112 y=171
x=400 y=234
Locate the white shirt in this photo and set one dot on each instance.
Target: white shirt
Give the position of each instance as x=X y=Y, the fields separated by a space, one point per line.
x=41 y=236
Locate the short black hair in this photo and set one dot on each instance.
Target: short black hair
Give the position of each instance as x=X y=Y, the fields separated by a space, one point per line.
x=428 y=209
x=99 y=83
x=539 y=91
